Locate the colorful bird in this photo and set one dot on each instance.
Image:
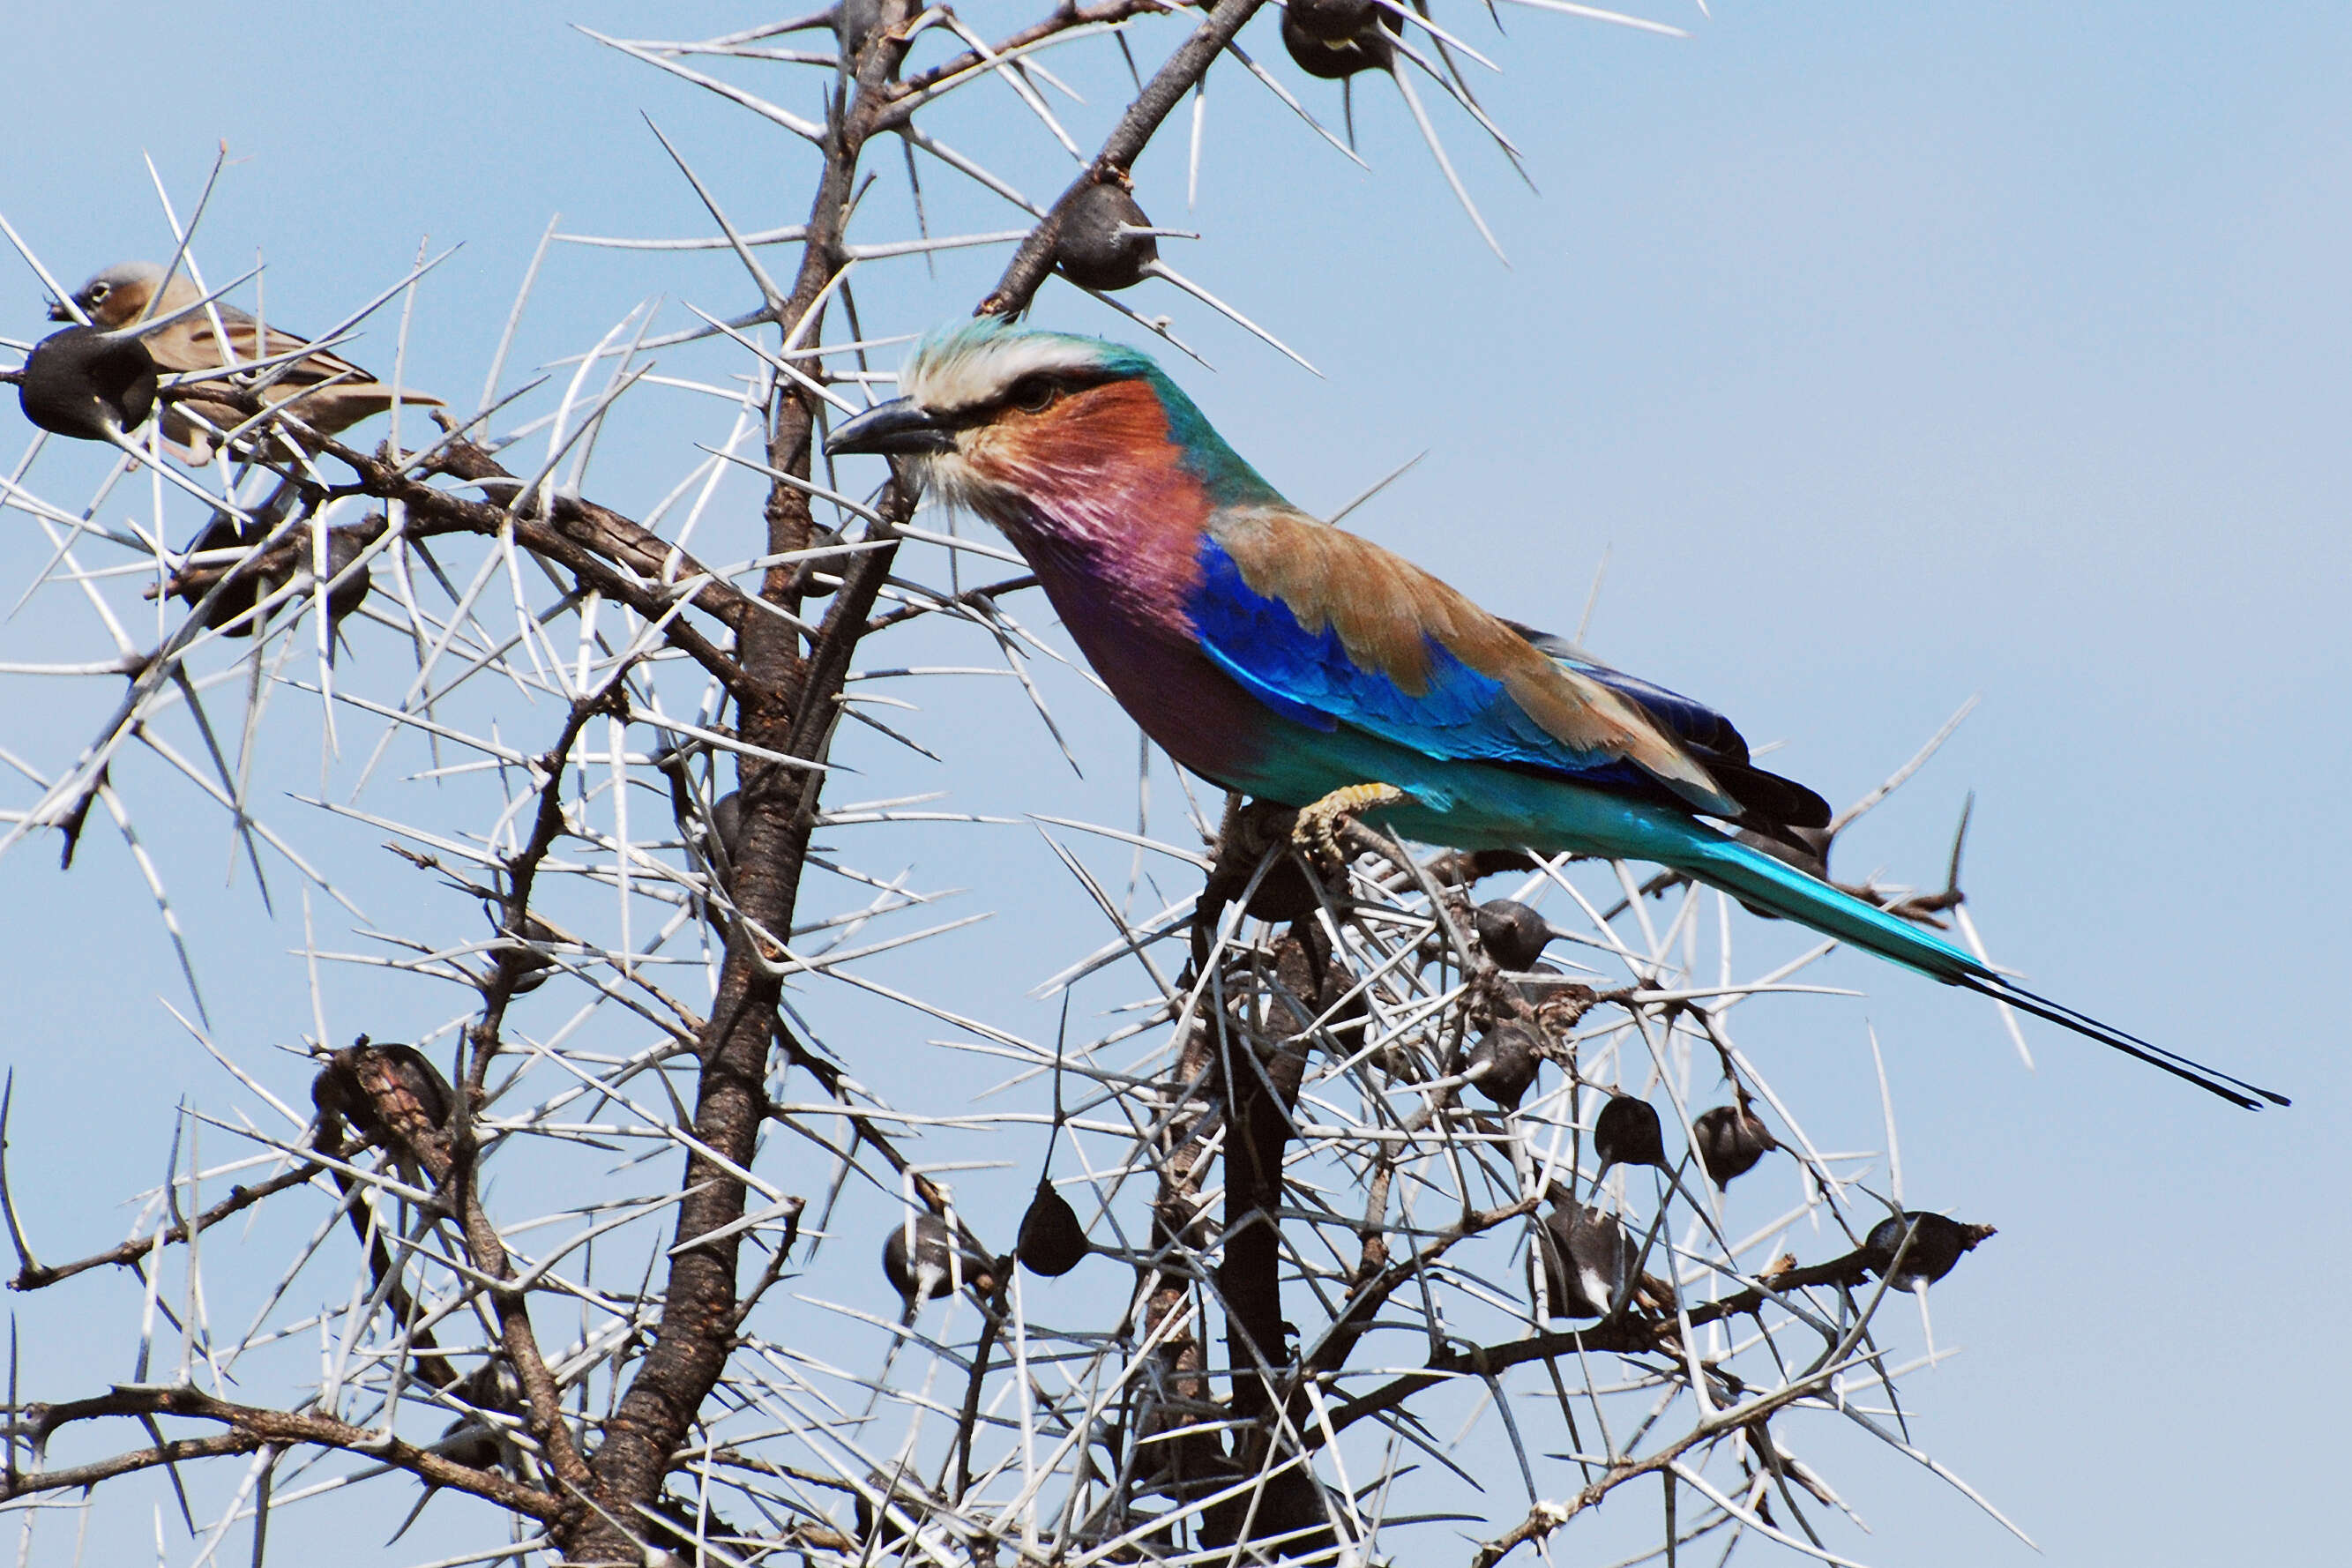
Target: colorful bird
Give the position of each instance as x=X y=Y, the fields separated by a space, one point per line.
x=1290 y=660
x=333 y=394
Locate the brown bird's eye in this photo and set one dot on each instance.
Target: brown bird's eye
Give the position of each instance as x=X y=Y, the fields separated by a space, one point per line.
x=97 y=292
x=1033 y=393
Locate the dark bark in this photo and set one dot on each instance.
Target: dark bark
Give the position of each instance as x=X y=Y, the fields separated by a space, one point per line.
x=787 y=705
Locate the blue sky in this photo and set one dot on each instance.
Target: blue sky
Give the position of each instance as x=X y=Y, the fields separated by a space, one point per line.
x=1894 y=355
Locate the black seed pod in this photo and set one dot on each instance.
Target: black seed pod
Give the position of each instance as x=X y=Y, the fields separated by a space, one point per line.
x=819 y=578
x=1627 y=1133
x=1332 y=21
x=344 y=546
x=1052 y=1240
x=78 y=382
x=1510 y=934
x=1508 y=1053
x=727 y=822
x=245 y=588
x=1366 y=49
x=1730 y=1141
x=529 y=967
x=886 y=1498
x=1097 y=246
x=1587 y=1257
x=1935 y=1247
x=938 y=1268
x=1287 y=1512
x=1544 y=982
x=1284 y=893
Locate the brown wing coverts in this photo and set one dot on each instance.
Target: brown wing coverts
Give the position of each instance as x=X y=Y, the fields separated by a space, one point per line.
x=1390 y=615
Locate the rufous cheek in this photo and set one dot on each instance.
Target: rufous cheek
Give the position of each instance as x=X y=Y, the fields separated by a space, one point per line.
x=988 y=451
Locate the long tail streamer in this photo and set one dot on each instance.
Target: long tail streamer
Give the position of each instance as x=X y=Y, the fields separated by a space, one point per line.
x=1762 y=880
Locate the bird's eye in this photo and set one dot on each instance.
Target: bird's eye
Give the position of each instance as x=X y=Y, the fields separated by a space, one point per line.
x=97 y=292
x=1033 y=393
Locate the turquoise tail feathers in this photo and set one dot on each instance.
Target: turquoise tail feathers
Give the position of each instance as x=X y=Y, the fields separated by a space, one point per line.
x=1758 y=878
x=1510 y=810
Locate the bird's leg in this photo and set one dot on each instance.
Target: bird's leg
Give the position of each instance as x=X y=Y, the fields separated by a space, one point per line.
x=1317 y=831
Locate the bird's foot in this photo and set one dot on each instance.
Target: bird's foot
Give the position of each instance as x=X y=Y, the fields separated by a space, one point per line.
x=1317 y=829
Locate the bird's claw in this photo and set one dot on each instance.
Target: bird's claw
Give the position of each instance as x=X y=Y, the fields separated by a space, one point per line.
x=1317 y=833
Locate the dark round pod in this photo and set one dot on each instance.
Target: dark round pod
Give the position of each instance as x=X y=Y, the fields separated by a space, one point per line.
x=1935 y=1247
x=931 y=1266
x=1332 y=21
x=681 y=1531
x=1097 y=245
x=1510 y=1055
x=529 y=967
x=1287 y=1517
x=1367 y=48
x=1543 y=982
x=727 y=822
x=1284 y=893
x=819 y=578
x=244 y=589
x=247 y=587
x=1731 y=1139
x=344 y=546
x=1052 y=1240
x=1587 y=1257
x=82 y=383
x=1627 y=1133
x=1510 y=934
x=483 y=1448
x=886 y=1498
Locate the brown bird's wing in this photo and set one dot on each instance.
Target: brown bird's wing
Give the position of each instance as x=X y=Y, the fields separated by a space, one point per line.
x=191 y=344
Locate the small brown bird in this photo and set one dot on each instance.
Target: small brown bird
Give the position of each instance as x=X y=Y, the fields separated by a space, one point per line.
x=125 y=294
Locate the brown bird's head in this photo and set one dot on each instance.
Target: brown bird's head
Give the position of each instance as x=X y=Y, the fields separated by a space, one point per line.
x=116 y=297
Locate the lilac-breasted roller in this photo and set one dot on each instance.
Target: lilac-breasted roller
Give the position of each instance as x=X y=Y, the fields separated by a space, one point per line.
x=1281 y=656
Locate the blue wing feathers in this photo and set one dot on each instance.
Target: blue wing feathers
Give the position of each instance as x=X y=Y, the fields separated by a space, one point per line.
x=1310 y=677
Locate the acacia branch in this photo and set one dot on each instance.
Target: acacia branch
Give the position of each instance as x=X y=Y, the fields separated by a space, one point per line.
x=1067 y=16
x=1625 y=1334
x=38 y=1276
x=785 y=705
x=607 y=552
x=254 y=1427
x=1177 y=75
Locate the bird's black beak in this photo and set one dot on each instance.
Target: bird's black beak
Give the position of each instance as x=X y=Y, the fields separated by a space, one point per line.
x=900 y=429
x=57 y=312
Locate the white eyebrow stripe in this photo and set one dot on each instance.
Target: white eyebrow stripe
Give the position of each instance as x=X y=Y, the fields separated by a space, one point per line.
x=961 y=373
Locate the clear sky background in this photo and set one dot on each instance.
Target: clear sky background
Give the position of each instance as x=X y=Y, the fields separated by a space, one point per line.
x=1894 y=355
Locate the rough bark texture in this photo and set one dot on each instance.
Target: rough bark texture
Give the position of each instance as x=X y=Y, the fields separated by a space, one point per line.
x=788 y=705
